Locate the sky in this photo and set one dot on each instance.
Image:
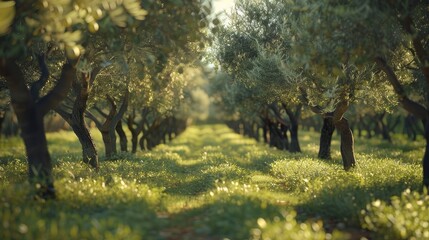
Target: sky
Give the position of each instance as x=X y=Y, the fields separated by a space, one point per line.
x=222 y=5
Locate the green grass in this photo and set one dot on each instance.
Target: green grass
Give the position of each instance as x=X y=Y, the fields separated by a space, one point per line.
x=211 y=183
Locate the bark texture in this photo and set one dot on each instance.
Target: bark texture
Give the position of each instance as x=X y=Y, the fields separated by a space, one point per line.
x=76 y=119
x=326 y=138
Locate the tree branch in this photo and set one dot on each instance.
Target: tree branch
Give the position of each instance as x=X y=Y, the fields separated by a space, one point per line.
x=100 y=111
x=63 y=113
x=123 y=107
x=276 y=111
x=408 y=25
x=60 y=91
x=412 y=107
x=340 y=109
x=44 y=76
x=304 y=98
x=91 y=116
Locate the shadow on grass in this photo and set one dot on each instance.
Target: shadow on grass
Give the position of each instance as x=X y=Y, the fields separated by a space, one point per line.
x=78 y=218
x=342 y=205
x=227 y=217
x=192 y=187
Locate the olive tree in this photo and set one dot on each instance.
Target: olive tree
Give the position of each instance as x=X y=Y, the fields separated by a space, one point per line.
x=63 y=25
x=390 y=34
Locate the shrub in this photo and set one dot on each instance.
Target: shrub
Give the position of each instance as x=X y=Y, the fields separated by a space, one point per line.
x=405 y=217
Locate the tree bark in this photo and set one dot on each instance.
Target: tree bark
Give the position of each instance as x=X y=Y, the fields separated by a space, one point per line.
x=123 y=142
x=278 y=137
x=256 y=131
x=426 y=157
x=384 y=129
x=89 y=151
x=109 y=140
x=326 y=138
x=2 y=117
x=409 y=127
x=343 y=127
x=293 y=118
x=347 y=143
x=134 y=142
x=141 y=142
x=76 y=120
x=135 y=131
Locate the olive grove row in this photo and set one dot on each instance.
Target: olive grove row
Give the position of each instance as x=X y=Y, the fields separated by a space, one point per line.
x=114 y=62
x=334 y=58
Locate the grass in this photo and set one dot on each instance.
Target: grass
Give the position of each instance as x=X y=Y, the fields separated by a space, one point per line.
x=210 y=183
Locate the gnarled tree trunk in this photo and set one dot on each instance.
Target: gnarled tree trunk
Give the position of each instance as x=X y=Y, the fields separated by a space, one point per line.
x=107 y=128
x=76 y=119
x=347 y=143
x=343 y=128
x=30 y=111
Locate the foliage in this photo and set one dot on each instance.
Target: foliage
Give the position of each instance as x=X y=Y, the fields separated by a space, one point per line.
x=403 y=217
x=64 y=23
x=288 y=228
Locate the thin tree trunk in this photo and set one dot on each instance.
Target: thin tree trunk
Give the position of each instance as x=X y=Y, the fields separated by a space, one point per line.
x=385 y=132
x=256 y=131
x=89 y=151
x=77 y=123
x=294 y=141
x=347 y=143
x=409 y=127
x=122 y=137
x=141 y=142
x=2 y=117
x=134 y=142
x=107 y=128
x=326 y=138
x=134 y=131
x=426 y=156
x=76 y=120
x=284 y=139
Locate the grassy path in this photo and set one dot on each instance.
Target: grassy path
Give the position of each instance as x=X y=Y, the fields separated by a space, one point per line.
x=209 y=183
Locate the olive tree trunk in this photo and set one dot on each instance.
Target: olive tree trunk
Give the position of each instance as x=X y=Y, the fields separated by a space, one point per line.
x=2 y=117
x=326 y=138
x=135 y=129
x=76 y=119
x=123 y=142
x=108 y=127
x=347 y=143
x=426 y=156
x=30 y=111
x=293 y=118
x=343 y=128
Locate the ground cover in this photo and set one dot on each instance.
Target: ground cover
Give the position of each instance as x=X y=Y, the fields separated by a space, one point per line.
x=210 y=183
